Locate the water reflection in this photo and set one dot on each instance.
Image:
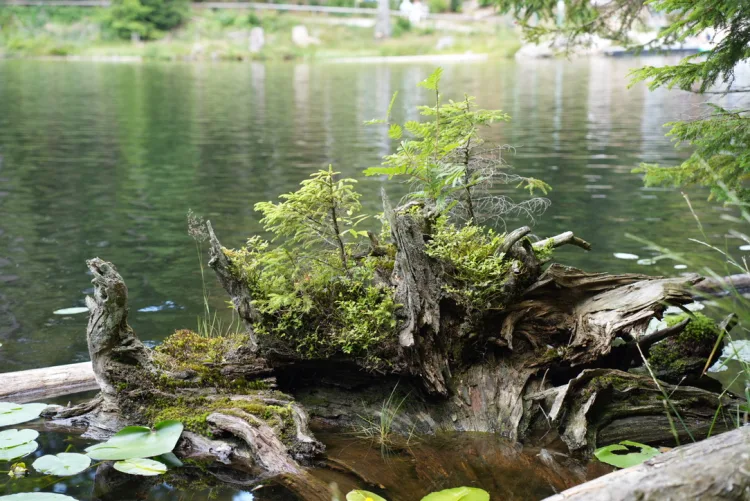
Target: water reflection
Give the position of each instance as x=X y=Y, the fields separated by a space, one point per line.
x=104 y=160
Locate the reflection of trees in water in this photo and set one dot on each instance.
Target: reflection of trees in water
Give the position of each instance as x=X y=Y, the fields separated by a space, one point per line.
x=105 y=159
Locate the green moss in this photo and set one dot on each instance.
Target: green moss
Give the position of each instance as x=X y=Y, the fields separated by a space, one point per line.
x=695 y=342
x=193 y=412
x=475 y=272
x=198 y=360
x=315 y=308
x=545 y=253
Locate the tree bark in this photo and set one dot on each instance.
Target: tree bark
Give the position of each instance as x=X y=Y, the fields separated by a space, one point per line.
x=717 y=468
x=48 y=382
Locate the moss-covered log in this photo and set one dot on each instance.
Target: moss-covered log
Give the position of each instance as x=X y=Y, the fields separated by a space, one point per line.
x=549 y=357
x=231 y=416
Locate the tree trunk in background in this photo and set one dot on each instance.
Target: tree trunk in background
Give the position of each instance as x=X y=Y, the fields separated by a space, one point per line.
x=383 y=20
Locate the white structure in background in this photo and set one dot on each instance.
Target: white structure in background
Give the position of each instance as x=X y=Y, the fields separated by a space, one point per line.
x=301 y=37
x=416 y=12
x=257 y=40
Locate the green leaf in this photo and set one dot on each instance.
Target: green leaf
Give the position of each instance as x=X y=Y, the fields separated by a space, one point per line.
x=19 y=413
x=37 y=496
x=395 y=131
x=14 y=438
x=63 y=464
x=140 y=466
x=618 y=454
x=363 y=496
x=138 y=442
x=459 y=494
x=433 y=80
x=170 y=459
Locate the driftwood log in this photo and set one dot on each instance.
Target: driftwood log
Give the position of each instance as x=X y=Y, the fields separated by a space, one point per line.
x=554 y=363
x=717 y=468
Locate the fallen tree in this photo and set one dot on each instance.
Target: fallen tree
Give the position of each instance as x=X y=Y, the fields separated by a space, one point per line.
x=716 y=468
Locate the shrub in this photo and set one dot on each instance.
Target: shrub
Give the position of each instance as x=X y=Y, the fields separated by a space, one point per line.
x=146 y=18
x=401 y=26
x=438 y=6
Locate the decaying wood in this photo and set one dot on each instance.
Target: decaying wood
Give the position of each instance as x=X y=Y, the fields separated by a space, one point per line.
x=418 y=290
x=723 y=285
x=38 y=384
x=238 y=291
x=552 y=362
x=129 y=381
x=717 y=468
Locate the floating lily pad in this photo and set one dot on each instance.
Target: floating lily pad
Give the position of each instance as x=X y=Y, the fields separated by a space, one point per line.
x=14 y=438
x=138 y=442
x=18 y=451
x=363 y=496
x=625 y=255
x=625 y=454
x=37 y=496
x=17 y=443
x=19 y=413
x=63 y=464
x=459 y=494
x=71 y=311
x=140 y=466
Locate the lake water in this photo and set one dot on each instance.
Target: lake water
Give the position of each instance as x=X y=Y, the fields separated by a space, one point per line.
x=105 y=159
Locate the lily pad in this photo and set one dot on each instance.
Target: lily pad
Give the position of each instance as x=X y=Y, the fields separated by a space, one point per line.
x=37 y=496
x=138 y=442
x=17 y=443
x=459 y=494
x=19 y=413
x=625 y=255
x=625 y=454
x=71 y=311
x=363 y=496
x=63 y=464
x=140 y=466
x=14 y=438
x=18 y=451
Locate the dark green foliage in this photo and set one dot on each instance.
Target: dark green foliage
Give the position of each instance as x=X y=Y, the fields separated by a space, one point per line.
x=723 y=165
x=146 y=18
x=720 y=139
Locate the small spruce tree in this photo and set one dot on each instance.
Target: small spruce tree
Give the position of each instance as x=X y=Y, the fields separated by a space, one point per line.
x=443 y=159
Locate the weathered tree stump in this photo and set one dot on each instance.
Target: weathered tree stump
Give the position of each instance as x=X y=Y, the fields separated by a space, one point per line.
x=552 y=362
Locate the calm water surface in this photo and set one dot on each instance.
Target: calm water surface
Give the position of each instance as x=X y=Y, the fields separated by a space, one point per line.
x=105 y=160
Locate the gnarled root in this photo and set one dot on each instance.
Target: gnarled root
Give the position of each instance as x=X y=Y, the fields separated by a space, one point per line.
x=229 y=401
